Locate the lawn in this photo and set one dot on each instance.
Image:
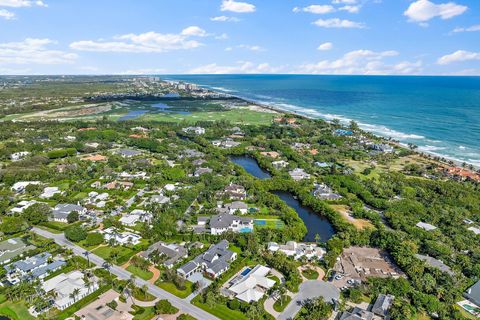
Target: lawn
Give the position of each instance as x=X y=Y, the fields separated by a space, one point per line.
x=237 y=116
x=15 y=310
x=145 y=275
x=124 y=254
x=310 y=274
x=269 y=223
x=170 y=287
x=221 y=311
x=146 y=313
x=282 y=303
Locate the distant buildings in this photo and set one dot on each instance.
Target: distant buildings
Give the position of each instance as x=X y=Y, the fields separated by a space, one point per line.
x=280 y=164
x=49 y=192
x=382 y=147
x=201 y=171
x=195 y=130
x=20 y=186
x=128 y=153
x=426 y=226
x=226 y=143
x=215 y=261
x=251 y=284
x=19 y=155
x=235 y=192
x=271 y=154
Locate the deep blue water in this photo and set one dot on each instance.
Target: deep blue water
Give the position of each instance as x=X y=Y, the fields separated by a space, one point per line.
x=251 y=166
x=439 y=114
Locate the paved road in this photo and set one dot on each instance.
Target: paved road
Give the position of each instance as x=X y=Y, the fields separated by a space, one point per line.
x=181 y=304
x=308 y=290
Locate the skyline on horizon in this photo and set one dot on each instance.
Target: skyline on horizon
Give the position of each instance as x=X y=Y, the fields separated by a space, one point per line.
x=362 y=37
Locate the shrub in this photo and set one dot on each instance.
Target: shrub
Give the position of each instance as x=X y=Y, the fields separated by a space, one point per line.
x=94 y=239
x=75 y=233
x=165 y=307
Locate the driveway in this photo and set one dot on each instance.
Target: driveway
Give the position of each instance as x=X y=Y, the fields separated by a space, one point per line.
x=181 y=304
x=309 y=290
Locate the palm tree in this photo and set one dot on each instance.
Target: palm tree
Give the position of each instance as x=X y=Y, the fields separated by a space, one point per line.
x=87 y=254
x=88 y=282
x=145 y=291
x=74 y=294
x=107 y=266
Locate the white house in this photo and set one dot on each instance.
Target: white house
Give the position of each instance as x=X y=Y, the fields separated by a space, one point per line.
x=252 y=285
x=22 y=205
x=222 y=223
x=19 y=155
x=20 y=186
x=122 y=238
x=49 y=192
x=426 y=226
x=196 y=130
x=298 y=174
x=298 y=250
x=64 y=285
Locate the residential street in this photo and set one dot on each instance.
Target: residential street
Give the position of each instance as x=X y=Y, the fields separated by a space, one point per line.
x=183 y=305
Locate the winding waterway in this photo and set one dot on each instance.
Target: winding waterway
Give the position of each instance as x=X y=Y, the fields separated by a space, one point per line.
x=315 y=223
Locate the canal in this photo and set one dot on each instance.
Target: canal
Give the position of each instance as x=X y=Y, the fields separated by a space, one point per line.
x=315 y=223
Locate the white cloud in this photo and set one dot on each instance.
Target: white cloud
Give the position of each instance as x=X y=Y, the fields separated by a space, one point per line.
x=7 y=14
x=473 y=28
x=222 y=36
x=33 y=51
x=362 y=62
x=235 y=6
x=224 y=19
x=459 y=56
x=351 y=9
x=325 y=46
x=21 y=3
x=149 y=42
x=344 y=1
x=240 y=67
x=424 y=10
x=338 y=23
x=316 y=9
x=194 y=31
x=251 y=48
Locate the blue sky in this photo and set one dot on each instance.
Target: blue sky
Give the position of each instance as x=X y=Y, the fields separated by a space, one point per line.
x=245 y=36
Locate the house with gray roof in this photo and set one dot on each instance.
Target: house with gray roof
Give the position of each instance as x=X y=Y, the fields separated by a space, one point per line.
x=435 y=263
x=13 y=248
x=128 y=153
x=61 y=211
x=173 y=252
x=383 y=304
x=222 y=223
x=201 y=171
x=357 y=314
x=213 y=262
x=473 y=293
x=36 y=267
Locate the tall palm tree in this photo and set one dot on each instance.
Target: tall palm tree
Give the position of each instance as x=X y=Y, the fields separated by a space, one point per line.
x=74 y=294
x=87 y=254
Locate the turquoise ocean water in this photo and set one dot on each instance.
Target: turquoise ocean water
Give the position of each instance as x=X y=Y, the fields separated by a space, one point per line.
x=441 y=115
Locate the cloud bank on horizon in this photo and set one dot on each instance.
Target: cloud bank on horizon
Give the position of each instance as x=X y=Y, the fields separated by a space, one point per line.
x=409 y=37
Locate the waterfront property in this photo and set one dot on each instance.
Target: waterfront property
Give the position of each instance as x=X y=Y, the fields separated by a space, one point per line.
x=296 y=250
x=222 y=223
x=213 y=262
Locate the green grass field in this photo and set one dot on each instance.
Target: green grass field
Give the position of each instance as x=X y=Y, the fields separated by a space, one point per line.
x=15 y=310
x=220 y=311
x=282 y=303
x=170 y=287
x=123 y=256
x=145 y=275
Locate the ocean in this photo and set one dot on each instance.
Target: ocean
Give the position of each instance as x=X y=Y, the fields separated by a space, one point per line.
x=441 y=115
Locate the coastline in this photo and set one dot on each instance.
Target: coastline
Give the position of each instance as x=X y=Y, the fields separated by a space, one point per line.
x=388 y=139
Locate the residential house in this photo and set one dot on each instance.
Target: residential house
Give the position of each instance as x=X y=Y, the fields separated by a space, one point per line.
x=215 y=261
x=271 y=154
x=122 y=238
x=19 y=155
x=280 y=164
x=136 y=216
x=324 y=192
x=61 y=211
x=36 y=267
x=357 y=314
x=382 y=305
x=172 y=252
x=222 y=223
x=252 y=284
x=235 y=192
x=191 y=153
x=22 y=205
x=473 y=294
x=128 y=153
x=382 y=147
x=435 y=263
x=125 y=185
x=13 y=248
x=298 y=174
x=130 y=176
x=474 y=230
x=19 y=187
x=64 y=285
x=426 y=226
x=159 y=198
x=195 y=130
x=298 y=250
x=49 y=192
x=201 y=171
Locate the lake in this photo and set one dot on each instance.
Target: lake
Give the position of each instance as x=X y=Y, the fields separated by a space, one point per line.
x=315 y=223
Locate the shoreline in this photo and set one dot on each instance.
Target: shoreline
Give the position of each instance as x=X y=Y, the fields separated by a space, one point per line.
x=397 y=143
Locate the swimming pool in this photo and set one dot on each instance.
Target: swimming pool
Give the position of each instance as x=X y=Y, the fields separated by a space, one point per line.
x=245 y=272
